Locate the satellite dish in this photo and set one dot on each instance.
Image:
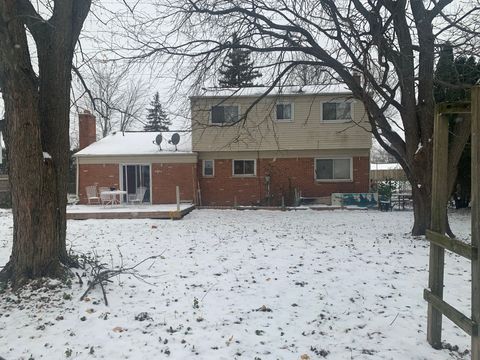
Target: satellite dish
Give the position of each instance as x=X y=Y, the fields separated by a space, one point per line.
x=175 y=139
x=158 y=141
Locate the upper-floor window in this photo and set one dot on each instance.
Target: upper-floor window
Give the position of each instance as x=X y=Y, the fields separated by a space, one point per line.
x=284 y=111
x=208 y=167
x=333 y=169
x=337 y=111
x=244 y=167
x=222 y=114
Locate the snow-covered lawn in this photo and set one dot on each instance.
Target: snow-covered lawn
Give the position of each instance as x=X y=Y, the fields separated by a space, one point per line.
x=242 y=285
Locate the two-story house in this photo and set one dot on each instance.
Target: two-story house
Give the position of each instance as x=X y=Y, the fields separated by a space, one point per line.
x=244 y=149
x=256 y=151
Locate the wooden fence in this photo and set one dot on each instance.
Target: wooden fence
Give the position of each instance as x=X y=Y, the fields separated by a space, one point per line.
x=437 y=307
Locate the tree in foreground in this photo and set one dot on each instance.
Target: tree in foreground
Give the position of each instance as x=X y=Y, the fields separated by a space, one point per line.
x=391 y=44
x=37 y=106
x=237 y=70
x=157 y=118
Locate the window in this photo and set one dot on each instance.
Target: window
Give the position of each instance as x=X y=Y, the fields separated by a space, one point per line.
x=284 y=112
x=224 y=114
x=333 y=169
x=340 y=111
x=208 y=167
x=244 y=167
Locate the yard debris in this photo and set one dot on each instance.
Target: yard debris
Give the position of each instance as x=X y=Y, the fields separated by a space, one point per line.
x=263 y=308
x=143 y=316
x=100 y=275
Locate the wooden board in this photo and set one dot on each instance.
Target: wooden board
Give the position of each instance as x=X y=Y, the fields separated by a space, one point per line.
x=462 y=321
x=175 y=215
x=453 y=245
x=475 y=215
x=438 y=225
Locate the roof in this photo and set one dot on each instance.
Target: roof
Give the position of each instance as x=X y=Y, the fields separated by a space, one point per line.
x=256 y=91
x=391 y=166
x=137 y=143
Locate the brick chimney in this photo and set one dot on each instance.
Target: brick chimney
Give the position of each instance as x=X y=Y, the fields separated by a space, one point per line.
x=87 y=129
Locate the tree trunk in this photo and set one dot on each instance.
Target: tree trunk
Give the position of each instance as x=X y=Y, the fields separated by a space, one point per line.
x=37 y=132
x=421 y=210
x=36 y=251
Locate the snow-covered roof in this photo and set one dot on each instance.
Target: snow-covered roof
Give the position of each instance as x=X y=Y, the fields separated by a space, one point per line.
x=392 y=166
x=326 y=89
x=137 y=143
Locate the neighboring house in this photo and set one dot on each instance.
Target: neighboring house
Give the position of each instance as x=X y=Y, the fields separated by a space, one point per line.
x=314 y=143
x=290 y=144
x=389 y=172
x=128 y=160
x=382 y=172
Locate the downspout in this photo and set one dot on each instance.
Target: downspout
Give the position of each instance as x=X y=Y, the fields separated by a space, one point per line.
x=77 y=176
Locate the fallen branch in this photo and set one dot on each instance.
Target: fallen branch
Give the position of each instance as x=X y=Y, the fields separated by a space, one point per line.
x=101 y=275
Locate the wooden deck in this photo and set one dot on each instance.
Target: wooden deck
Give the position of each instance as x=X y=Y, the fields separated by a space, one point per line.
x=84 y=212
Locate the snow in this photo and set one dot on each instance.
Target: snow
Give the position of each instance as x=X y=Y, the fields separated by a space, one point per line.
x=255 y=91
x=46 y=155
x=344 y=283
x=392 y=166
x=137 y=143
x=419 y=148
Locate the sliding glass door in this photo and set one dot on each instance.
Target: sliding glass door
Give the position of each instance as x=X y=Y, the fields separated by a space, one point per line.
x=136 y=182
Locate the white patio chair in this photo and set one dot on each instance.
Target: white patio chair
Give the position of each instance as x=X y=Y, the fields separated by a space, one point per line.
x=106 y=199
x=72 y=199
x=138 y=196
x=92 y=195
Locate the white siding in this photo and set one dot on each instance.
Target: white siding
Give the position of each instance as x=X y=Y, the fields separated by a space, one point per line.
x=260 y=131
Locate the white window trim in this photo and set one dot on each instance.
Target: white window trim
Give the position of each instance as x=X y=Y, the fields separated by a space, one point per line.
x=244 y=175
x=120 y=176
x=213 y=168
x=333 y=158
x=224 y=123
x=292 y=111
x=338 y=121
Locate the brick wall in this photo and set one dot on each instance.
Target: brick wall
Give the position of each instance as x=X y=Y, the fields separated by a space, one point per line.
x=100 y=175
x=286 y=174
x=224 y=189
x=165 y=177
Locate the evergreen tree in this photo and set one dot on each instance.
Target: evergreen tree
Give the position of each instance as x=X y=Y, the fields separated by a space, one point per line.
x=453 y=75
x=447 y=78
x=157 y=118
x=237 y=68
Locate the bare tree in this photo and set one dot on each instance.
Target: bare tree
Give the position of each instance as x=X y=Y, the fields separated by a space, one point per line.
x=117 y=101
x=380 y=155
x=132 y=105
x=392 y=44
x=37 y=108
x=105 y=81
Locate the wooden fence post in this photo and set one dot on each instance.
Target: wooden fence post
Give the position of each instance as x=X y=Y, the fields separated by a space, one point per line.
x=475 y=201
x=438 y=224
